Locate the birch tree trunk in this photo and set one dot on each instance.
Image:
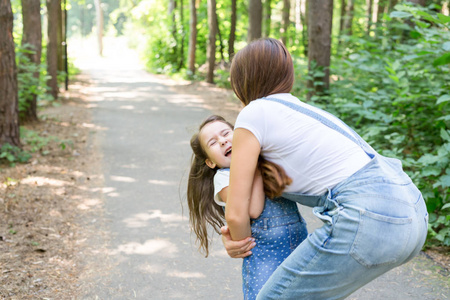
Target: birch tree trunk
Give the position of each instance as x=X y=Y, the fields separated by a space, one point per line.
x=254 y=20
x=192 y=37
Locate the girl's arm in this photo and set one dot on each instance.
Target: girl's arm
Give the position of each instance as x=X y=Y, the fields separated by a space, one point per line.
x=257 y=198
x=244 y=160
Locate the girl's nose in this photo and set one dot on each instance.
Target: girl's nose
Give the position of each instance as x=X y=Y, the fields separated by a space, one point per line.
x=223 y=141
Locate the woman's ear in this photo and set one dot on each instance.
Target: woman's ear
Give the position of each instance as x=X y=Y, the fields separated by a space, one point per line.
x=209 y=163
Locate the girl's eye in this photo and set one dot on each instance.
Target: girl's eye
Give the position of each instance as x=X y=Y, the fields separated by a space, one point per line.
x=212 y=143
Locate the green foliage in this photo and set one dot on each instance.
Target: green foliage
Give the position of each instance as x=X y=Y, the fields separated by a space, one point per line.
x=13 y=154
x=28 y=85
x=394 y=88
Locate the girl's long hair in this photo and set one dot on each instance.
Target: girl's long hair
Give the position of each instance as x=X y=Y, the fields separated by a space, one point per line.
x=203 y=210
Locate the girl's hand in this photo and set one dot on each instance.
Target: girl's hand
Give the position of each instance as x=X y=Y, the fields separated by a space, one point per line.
x=237 y=249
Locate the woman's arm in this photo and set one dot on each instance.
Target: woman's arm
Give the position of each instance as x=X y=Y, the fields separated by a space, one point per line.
x=257 y=197
x=244 y=160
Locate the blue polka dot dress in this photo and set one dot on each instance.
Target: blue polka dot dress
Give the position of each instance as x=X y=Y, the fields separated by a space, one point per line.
x=277 y=231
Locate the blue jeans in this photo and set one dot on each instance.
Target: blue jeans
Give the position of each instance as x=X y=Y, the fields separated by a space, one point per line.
x=278 y=231
x=374 y=221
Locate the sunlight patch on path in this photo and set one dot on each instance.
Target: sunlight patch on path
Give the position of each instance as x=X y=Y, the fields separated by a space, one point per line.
x=149 y=247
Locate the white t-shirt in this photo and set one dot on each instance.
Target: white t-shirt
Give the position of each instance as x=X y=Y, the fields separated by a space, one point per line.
x=221 y=181
x=315 y=156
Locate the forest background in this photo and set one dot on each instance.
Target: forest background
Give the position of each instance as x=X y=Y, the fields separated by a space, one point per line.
x=382 y=66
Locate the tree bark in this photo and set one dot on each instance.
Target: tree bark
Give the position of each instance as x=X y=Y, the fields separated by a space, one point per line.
x=419 y=2
x=192 y=37
x=99 y=13
x=254 y=20
x=267 y=17
x=232 y=36
x=285 y=21
x=380 y=11
x=220 y=38
x=181 y=64
x=59 y=38
x=9 y=99
x=348 y=22
x=304 y=18
x=343 y=16
x=369 y=15
x=32 y=35
x=319 y=50
x=393 y=3
x=52 y=46
x=211 y=40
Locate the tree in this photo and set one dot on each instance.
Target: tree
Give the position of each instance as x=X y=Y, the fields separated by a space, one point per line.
x=380 y=10
x=343 y=16
x=212 y=23
x=267 y=17
x=369 y=14
x=52 y=46
x=285 y=21
x=32 y=36
x=254 y=20
x=319 y=49
x=99 y=13
x=348 y=21
x=192 y=37
x=9 y=99
x=232 y=36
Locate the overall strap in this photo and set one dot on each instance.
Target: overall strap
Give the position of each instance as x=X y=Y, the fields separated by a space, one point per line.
x=354 y=137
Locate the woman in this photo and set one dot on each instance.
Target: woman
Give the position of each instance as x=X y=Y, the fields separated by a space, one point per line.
x=374 y=216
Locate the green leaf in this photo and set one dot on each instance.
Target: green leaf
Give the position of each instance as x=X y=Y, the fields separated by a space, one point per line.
x=442 y=99
x=446 y=46
x=444 y=181
x=444 y=135
x=443 y=60
x=431 y=170
x=443 y=18
x=447 y=205
x=400 y=14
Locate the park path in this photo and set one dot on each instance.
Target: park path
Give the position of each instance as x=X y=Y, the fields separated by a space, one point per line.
x=145 y=127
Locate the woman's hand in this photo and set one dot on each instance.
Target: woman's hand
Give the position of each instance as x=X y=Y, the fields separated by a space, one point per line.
x=237 y=249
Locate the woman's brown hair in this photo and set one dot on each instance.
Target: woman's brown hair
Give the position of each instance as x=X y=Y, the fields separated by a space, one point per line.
x=262 y=68
x=203 y=210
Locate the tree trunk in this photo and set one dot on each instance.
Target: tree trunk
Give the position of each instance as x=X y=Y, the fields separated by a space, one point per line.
x=254 y=20
x=348 y=22
x=304 y=17
x=343 y=16
x=392 y=3
x=232 y=36
x=52 y=46
x=99 y=13
x=267 y=17
x=319 y=32
x=369 y=15
x=220 y=38
x=59 y=39
x=419 y=2
x=211 y=41
x=181 y=64
x=192 y=37
x=9 y=111
x=380 y=11
x=285 y=21
x=32 y=35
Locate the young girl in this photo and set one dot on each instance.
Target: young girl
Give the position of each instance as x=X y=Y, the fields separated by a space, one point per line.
x=276 y=224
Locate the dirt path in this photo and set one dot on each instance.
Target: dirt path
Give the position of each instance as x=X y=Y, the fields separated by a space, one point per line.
x=105 y=217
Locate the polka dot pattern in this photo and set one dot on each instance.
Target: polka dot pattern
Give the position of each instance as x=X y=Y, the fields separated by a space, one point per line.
x=278 y=231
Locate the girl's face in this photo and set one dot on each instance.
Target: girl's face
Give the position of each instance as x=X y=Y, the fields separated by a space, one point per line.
x=216 y=138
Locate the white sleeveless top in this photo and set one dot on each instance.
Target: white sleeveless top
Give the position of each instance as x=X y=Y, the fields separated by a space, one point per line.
x=315 y=156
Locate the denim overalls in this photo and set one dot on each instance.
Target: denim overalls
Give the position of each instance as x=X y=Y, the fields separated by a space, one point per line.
x=374 y=220
x=277 y=231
